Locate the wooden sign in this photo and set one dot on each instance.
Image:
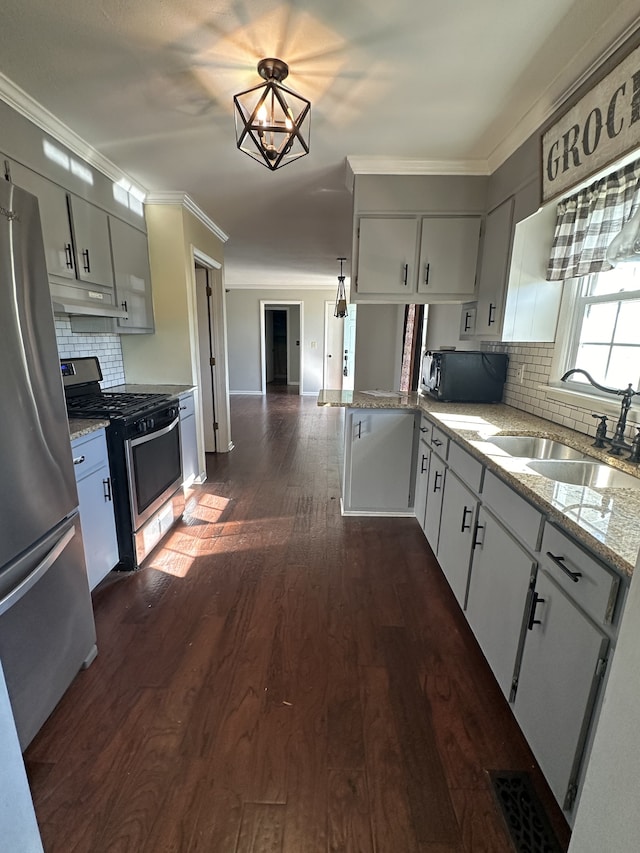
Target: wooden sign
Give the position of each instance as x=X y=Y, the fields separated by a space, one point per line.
x=600 y=129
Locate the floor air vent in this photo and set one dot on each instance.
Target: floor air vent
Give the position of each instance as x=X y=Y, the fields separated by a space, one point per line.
x=524 y=814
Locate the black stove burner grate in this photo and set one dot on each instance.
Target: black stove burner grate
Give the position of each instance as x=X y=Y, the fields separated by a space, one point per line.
x=524 y=814
x=113 y=404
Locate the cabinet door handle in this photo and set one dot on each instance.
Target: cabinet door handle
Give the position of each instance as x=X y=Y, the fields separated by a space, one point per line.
x=422 y=468
x=559 y=561
x=85 y=257
x=466 y=526
x=123 y=305
x=405 y=274
x=107 y=488
x=492 y=312
x=78 y=460
x=359 y=429
x=476 y=542
x=68 y=255
x=423 y=429
x=426 y=273
x=436 y=487
x=437 y=442
x=467 y=321
x=532 y=613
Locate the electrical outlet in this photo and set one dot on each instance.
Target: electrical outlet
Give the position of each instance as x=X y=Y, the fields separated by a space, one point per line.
x=521 y=374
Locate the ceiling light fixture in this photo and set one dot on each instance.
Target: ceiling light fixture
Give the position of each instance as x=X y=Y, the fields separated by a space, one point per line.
x=341 y=297
x=272 y=122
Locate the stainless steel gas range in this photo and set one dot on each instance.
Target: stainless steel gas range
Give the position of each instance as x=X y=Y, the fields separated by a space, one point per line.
x=143 y=440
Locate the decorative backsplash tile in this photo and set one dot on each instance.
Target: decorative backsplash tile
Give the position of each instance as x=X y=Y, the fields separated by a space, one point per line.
x=106 y=347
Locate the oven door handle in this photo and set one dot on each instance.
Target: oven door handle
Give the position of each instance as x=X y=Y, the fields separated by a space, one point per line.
x=41 y=569
x=154 y=433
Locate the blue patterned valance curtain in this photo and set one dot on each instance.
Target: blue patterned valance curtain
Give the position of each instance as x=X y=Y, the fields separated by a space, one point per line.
x=588 y=221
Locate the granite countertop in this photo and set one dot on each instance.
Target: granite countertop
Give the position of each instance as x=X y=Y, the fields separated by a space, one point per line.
x=84 y=426
x=171 y=390
x=605 y=520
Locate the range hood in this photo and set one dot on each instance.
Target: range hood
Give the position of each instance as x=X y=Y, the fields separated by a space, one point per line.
x=79 y=300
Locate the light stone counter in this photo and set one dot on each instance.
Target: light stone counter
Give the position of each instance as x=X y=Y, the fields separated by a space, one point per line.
x=605 y=520
x=83 y=426
x=171 y=390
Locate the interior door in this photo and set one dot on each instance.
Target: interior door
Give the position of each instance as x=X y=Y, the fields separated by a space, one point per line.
x=333 y=349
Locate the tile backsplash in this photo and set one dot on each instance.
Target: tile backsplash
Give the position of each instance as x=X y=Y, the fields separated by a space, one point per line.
x=106 y=347
x=536 y=360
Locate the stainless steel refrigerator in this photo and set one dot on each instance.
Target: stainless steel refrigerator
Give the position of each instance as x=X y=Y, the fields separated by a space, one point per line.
x=47 y=630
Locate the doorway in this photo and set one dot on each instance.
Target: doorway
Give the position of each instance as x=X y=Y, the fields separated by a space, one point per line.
x=280 y=344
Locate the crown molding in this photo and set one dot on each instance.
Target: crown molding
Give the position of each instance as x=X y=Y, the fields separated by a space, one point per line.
x=185 y=200
x=370 y=165
x=25 y=105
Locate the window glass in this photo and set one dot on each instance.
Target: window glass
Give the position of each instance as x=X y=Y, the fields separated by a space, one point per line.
x=606 y=340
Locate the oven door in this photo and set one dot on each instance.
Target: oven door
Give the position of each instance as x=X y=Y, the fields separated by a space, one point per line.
x=154 y=470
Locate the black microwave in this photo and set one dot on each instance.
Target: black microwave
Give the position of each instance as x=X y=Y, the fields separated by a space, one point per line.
x=464 y=376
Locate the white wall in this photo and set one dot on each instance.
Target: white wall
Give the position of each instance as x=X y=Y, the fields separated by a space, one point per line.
x=378 y=358
x=443 y=328
x=243 y=327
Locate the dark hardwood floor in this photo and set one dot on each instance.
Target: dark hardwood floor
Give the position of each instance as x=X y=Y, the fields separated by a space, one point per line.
x=279 y=679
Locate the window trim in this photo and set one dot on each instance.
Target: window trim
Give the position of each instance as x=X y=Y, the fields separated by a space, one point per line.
x=575 y=393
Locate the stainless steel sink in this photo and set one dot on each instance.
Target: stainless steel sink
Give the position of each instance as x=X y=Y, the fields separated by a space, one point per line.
x=587 y=473
x=532 y=447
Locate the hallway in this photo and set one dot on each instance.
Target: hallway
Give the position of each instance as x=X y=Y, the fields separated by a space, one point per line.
x=279 y=679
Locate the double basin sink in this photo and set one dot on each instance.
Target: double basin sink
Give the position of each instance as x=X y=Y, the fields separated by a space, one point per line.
x=564 y=464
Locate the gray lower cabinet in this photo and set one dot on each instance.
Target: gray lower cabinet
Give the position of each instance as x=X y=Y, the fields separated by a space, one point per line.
x=97 y=519
x=562 y=665
x=457 y=525
x=422 y=482
x=435 y=494
x=379 y=462
x=188 y=439
x=499 y=585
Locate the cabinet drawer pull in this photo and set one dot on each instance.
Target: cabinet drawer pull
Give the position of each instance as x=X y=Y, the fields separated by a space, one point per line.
x=78 y=460
x=492 y=311
x=532 y=613
x=466 y=526
x=426 y=273
x=405 y=274
x=437 y=442
x=422 y=464
x=436 y=487
x=107 y=488
x=85 y=256
x=68 y=255
x=423 y=429
x=559 y=561
x=476 y=542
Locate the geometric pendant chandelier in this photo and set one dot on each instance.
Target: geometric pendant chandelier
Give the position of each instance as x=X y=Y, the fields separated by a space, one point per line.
x=340 y=309
x=272 y=122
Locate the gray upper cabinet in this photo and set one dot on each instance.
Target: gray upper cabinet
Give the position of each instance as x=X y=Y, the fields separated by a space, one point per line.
x=494 y=265
x=448 y=257
x=132 y=277
x=56 y=228
x=387 y=256
x=91 y=237
x=416 y=258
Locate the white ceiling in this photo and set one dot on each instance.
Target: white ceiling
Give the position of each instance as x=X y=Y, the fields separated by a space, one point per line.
x=149 y=84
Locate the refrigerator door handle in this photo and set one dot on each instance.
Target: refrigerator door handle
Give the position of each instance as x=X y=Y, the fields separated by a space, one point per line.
x=33 y=577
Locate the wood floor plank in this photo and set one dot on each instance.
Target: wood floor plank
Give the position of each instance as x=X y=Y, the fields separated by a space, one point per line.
x=432 y=813
x=349 y=817
x=262 y=828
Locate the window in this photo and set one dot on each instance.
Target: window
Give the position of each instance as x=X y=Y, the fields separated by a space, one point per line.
x=605 y=335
